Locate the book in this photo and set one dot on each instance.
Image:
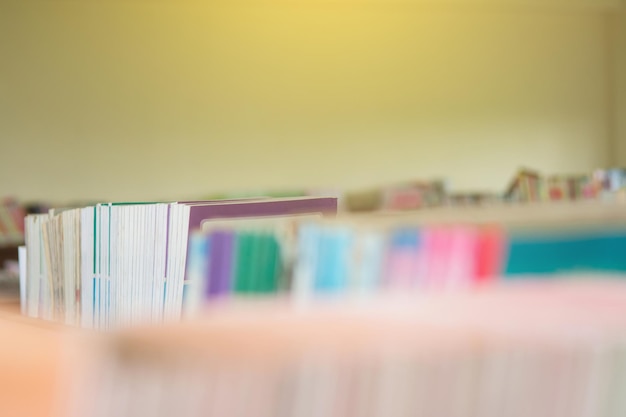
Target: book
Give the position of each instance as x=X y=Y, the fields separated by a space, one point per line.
x=118 y=264
x=439 y=251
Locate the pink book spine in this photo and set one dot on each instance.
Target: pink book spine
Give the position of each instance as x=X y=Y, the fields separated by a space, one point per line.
x=437 y=247
x=461 y=259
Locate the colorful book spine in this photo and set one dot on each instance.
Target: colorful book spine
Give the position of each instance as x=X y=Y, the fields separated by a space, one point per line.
x=338 y=259
x=222 y=245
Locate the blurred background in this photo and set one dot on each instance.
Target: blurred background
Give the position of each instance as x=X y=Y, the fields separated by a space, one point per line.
x=140 y=100
x=391 y=105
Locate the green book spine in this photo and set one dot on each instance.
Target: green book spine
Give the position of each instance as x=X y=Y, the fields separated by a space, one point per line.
x=243 y=265
x=256 y=263
x=274 y=263
x=264 y=272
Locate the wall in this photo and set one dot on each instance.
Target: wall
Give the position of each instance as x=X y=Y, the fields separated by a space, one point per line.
x=619 y=73
x=163 y=99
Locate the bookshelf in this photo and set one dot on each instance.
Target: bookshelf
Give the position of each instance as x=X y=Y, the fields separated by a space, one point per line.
x=252 y=343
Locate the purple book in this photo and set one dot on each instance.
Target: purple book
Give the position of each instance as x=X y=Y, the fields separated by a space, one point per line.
x=220 y=263
x=229 y=209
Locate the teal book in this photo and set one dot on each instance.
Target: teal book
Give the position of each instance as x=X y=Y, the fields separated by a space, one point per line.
x=335 y=246
x=257 y=268
x=567 y=253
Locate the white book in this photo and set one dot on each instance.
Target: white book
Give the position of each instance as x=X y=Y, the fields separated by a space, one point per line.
x=36 y=265
x=114 y=276
x=87 y=265
x=102 y=254
x=22 y=259
x=173 y=244
x=130 y=273
x=160 y=259
x=122 y=282
x=306 y=261
x=145 y=261
x=32 y=248
x=180 y=260
x=97 y=253
x=102 y=258
x=53 y=253
x=70 y=223
x=149 y=262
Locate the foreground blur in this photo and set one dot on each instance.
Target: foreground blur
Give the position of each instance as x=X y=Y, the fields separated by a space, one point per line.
x=541 y=349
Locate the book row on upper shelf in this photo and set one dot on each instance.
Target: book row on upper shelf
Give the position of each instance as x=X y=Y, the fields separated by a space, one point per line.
x=526 y=186
x=118 y=265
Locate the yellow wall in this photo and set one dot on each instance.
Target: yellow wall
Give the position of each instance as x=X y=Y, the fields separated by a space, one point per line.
x=619 y=48
x=164 y=99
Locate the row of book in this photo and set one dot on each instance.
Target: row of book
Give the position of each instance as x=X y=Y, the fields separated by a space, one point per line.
x=359 y=256
x=526 y=186
x=537 y=349
x=116 y=265
x=529 y=186
x=410 y=195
